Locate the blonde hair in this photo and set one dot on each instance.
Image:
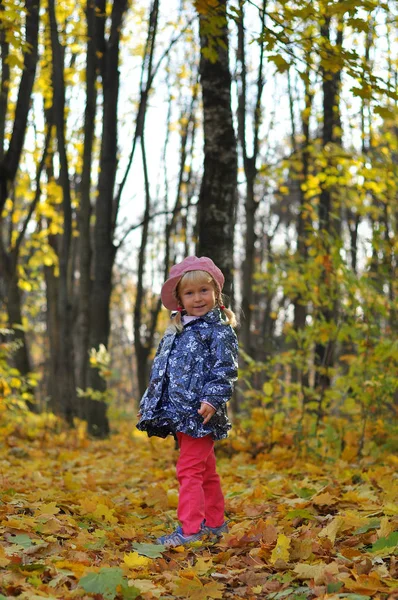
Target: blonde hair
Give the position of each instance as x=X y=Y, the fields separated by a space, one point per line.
x=200 y=277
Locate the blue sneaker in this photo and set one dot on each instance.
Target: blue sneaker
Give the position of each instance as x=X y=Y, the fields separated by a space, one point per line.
x=177 y=538
x=217 y=531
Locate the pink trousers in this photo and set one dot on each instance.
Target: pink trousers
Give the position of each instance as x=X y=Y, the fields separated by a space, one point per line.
x=200 y=496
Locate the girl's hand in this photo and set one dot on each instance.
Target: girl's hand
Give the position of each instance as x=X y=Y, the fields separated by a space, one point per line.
x=206 y=411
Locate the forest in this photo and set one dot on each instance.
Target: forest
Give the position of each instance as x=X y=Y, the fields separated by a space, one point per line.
x=264 y=135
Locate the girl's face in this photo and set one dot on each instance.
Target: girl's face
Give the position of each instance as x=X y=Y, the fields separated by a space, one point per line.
x=197 y=298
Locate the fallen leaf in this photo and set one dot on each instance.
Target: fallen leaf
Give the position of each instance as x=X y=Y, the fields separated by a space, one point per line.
x=134 y=560
x=366 y=584
x=331 y=530
x=48 y=509
x=150 y=550
x=325 y=499
x=319 y=572
x=281 y=550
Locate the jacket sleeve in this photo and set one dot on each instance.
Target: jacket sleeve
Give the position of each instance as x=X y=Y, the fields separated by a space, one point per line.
x=223 y=368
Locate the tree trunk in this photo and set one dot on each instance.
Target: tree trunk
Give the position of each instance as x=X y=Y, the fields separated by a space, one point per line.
x=9 y=164
x=4 y=85
x=66 y=389
x=53 y=334
x=141 y=347
x=143 y=344
x=104 y=248
x=9 y=161
x=304 y=223
x=218 y=194
x=329 y=225
x=250 y=168
x=84 y=252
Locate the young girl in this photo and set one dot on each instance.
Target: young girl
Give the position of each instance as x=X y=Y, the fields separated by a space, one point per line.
x=190 y=383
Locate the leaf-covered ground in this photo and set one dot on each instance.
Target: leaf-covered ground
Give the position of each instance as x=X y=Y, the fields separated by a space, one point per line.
x=78 y=520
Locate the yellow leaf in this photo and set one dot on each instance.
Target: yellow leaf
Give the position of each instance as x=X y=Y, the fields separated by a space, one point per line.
x=390 y=508
x=365 y=584
x=87 y=505
x=349 y=453
x=126 y=533
x=50 y=525
x=23 y=523
x=14 y=61
x=392 y=459
x=69 y=482
x=5 y=389
x=48 y=260
x=194 y=589
x=179 y=549
x=325 y=499
x=172 y=498
x=134 y=560
x=331 y=530
x=99 y=533
x=214 y=590
x=267 y=388
x=281 y=550
x=48 y=509
x=8 y=205
x=103 y=513
x=25 y=285
x=145 y=586
x=203 y=565
x=386 y=527
x=78 y=568
x=189 y=588
x=318 y=572
x=361 y=498
x=4 y=561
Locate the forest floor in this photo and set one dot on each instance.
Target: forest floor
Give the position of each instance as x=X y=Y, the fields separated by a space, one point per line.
x=79 y=519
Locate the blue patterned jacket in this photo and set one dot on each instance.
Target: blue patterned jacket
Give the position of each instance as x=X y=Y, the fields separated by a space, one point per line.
x=198 y=364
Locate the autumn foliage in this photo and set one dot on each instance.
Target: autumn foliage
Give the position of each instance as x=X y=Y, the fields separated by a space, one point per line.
x=79 y=518
x=109 y=127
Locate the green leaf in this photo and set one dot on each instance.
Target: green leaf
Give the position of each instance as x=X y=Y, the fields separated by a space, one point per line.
x=304 y=492
x=21 y=540
x=281 y=64
x=387 y=543
x=334 y=587
x=301 y=513
x=35 y=567
x=365 y=92
x=385 y=112
x=14 y=61
x=300 y=593
x=150 y=550
x=373 y=524
x=104 y=582
x=129 y=593
x=283 y=594
x=98 y=545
